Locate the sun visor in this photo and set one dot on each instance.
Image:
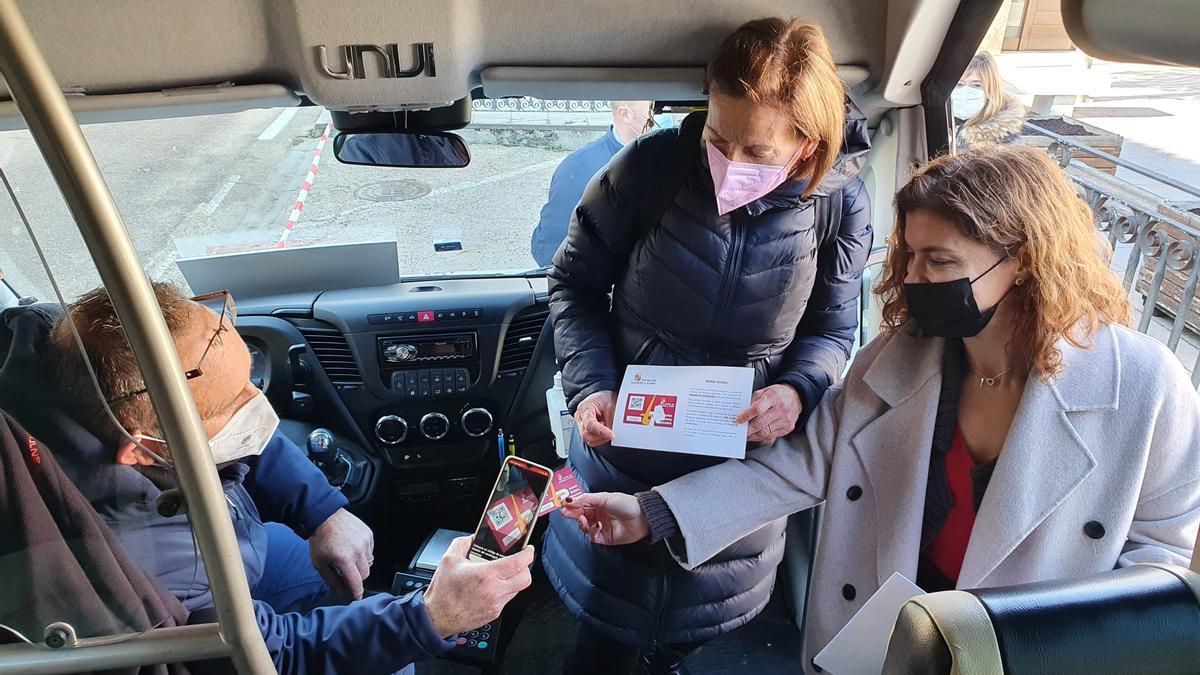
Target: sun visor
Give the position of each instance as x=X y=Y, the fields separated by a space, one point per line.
x=181 y=102
x=406 y=55
x=615 y=84
x=1152 y=31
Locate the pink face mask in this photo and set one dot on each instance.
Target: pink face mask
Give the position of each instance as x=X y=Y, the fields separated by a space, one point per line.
x=739 y=183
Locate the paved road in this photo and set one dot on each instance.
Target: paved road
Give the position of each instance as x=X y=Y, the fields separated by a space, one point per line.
x=204 y=185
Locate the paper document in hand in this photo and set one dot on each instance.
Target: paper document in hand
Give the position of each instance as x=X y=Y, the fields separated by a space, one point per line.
x=860 y=647
x=688 y=409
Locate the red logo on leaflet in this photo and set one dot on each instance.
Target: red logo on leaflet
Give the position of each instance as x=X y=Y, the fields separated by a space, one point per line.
x=650 y=410
x=424 y=317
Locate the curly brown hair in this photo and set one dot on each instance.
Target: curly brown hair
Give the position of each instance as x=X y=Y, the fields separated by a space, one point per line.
x=1015 y=199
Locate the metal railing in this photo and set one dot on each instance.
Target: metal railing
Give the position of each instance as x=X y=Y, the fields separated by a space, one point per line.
x=1156 y=244
x=1062 y=144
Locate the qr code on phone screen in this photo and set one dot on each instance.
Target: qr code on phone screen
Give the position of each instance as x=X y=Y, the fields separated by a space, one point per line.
x=637 y=402
x=500 y=515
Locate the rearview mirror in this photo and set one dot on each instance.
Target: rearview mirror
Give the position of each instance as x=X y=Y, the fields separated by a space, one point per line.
x=403 y=149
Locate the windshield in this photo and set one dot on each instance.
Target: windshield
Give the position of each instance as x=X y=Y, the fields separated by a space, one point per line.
x=265 y=179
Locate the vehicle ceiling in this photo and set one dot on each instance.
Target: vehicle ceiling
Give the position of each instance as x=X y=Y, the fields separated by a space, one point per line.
x=147 y=50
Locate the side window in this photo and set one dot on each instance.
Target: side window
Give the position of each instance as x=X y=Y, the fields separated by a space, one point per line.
x=1114 y=128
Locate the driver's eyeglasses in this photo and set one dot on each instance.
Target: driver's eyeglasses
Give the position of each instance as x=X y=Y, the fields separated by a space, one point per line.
x=220 y=302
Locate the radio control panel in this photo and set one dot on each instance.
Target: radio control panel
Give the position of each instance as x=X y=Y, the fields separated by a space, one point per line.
x=428 y=365
x=426 y=349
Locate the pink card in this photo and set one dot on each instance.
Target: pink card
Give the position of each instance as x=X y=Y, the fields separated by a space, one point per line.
x=563 y=484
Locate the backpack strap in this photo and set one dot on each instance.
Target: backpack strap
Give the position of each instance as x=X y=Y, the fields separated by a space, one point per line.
x=828 y=216
x=672 y=171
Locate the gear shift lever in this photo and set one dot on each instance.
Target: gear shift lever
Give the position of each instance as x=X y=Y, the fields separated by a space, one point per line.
x=320 y=447
x=332 y=462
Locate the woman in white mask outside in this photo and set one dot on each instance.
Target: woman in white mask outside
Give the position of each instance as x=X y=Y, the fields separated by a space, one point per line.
x=983 y=110
x=737 y=240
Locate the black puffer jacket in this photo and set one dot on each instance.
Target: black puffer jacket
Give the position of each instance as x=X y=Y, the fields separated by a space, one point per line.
x=766 y=286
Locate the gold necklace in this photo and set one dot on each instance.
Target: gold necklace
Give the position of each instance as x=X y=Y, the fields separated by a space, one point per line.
x=989 y=380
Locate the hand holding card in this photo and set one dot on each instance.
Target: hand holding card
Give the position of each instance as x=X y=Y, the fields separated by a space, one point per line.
x=563 y=484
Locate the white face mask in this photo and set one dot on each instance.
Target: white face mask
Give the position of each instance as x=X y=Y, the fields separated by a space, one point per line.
x=966 y=102
x=247 y=433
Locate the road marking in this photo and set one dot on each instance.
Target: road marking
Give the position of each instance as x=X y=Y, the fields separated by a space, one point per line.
x=158 y=264
x=459 y=187
x=277 y=126
x=305 y=188
x=210 y=207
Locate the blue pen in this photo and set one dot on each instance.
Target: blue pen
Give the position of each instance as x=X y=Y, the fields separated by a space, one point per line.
x=500 y=444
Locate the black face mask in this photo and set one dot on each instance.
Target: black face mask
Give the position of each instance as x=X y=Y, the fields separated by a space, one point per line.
x=947 y=309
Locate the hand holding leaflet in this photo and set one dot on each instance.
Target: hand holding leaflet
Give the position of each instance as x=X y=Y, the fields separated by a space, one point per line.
x=687 y=409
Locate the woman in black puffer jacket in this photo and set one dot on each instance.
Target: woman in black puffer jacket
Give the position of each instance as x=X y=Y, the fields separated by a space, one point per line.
x=752 y=257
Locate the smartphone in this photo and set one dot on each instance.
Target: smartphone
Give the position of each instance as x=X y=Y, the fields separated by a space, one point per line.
x=511 y=510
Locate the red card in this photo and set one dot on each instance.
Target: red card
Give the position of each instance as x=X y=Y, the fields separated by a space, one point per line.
x=563 y=484
x=650 y=409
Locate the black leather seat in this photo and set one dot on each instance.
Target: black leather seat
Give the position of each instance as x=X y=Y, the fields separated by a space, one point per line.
x=1140 y=619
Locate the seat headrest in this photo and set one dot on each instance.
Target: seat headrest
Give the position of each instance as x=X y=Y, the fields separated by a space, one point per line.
x=31 y=391
x=1140 y=619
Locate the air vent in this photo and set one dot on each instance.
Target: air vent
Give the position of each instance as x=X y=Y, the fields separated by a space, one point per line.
x=521 y=339
x=334 y=354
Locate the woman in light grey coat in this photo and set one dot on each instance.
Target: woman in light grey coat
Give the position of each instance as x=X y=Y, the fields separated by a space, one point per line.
x=1034 y=439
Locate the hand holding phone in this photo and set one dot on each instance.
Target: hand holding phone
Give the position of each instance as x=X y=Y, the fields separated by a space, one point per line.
x=511 y=510
x=464 y=594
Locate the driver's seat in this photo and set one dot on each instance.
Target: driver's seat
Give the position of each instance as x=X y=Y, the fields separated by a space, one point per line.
x=1140 y=619
x=29 y=391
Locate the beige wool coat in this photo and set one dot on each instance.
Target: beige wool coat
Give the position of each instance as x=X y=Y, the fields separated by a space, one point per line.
x=1100 y=469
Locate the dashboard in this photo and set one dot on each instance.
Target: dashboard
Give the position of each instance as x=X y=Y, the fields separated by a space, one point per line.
x=419 y=386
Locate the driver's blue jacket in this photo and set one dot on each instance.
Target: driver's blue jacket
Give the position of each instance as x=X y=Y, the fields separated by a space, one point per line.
x=379 y=634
